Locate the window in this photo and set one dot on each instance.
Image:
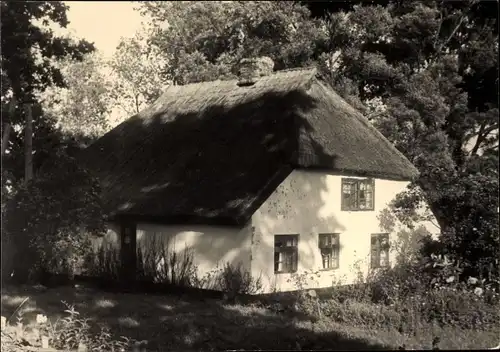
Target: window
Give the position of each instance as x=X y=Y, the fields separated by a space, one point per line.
x=285 y=253
x=357 y=194
x=329 y=247
x=380 y=250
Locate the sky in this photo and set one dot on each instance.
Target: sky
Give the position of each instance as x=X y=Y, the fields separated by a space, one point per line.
x=103 y=22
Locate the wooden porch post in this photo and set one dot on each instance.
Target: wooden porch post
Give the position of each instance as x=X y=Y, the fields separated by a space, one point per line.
x=128 y=252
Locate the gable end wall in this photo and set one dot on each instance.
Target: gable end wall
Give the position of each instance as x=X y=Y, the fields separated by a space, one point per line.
x=308 y=203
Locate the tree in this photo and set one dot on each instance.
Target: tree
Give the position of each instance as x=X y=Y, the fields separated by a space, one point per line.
x=204 y=41
x=432 y=68
x=82 y=107
x=137 y=67
x=39 y=215
x=27 y=49
x=49 y=219
x=28 y=52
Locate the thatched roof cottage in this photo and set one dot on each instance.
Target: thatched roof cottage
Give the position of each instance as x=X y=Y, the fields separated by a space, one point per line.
x=273 y=171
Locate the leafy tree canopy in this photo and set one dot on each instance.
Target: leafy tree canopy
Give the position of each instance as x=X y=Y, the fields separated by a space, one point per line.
x=82 y=107
x=204 y=40
x=427 y=74
x=29 y=51
x=138 y=71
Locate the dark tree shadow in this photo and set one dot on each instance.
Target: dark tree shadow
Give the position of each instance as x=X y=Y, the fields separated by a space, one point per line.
x=206 y=162
x=180 y=322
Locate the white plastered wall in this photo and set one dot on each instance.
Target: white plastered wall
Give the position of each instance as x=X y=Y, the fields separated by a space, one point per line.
x=308 y=203
x=211 y=246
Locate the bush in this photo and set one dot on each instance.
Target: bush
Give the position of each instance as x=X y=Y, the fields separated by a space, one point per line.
x=235 y=280
x=410 y=297
x=362 y=314
x=73 y=330
x=157 y=264
x=232 y=280
x=460 y=308
x=392 y=285
x=48 y=221
x=432 y=290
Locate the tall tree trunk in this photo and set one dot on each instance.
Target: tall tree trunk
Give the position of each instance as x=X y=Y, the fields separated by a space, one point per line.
x=28 y=144
x=5 y=137
x=8 y=126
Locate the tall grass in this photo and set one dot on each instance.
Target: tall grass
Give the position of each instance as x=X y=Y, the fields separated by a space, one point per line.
x=158 y=263
x=232 y=279
x=103 y=263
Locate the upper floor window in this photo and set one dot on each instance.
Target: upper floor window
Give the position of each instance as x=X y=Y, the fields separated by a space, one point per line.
x=285 y=253
x=329 y=247
x=357 y=194
x=379 y=250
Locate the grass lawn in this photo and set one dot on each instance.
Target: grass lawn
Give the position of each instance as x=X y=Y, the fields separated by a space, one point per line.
x=174 y=322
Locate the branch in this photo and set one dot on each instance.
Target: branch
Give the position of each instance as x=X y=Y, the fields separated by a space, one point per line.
x=5 y=137
x=493 y=147
x=464 y=16
x=137 y=103
x=441 y=20
x=375 y=114
x=28 y=144
x=435 y=224
x=334 y=61
x=451 y=35
x=479 y=140
x=6 y=131
x=481 y=137
x=490 y=129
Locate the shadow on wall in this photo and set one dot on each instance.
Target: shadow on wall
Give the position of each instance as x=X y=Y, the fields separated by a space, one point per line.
x=211 y=246
x=407 y=239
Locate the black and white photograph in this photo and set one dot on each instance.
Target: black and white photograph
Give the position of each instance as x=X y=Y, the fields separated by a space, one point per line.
x=250 y=175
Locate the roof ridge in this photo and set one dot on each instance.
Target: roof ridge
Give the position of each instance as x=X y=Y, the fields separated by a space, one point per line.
x=305 y=68
x=293 y=69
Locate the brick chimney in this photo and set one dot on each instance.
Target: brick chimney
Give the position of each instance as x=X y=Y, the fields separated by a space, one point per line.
x=251 y=69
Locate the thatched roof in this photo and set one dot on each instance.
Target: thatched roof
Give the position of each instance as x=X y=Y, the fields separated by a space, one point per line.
x=214 y=151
